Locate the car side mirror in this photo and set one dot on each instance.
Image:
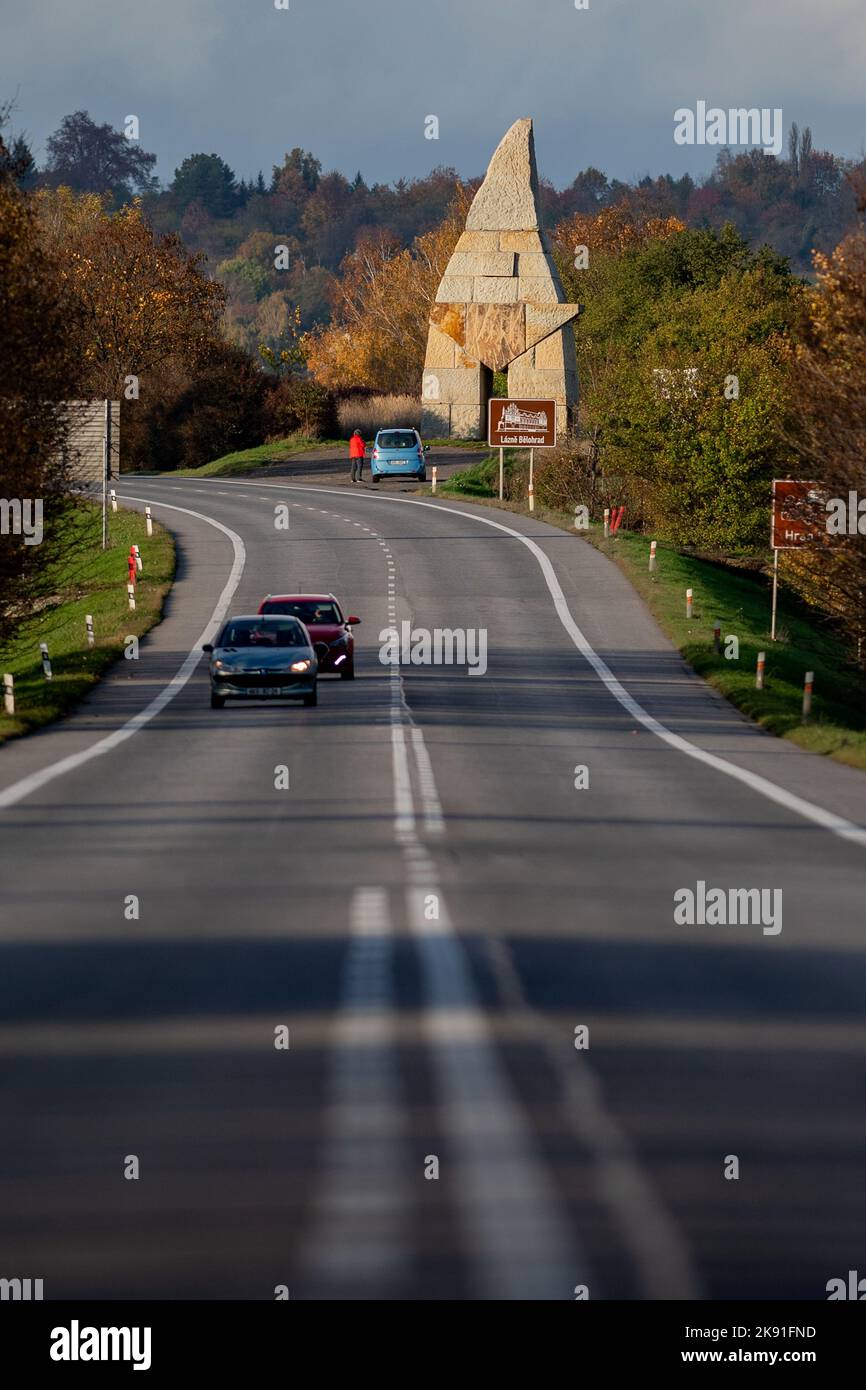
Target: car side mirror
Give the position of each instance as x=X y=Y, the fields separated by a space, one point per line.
x=352 y=622
x=208 y=647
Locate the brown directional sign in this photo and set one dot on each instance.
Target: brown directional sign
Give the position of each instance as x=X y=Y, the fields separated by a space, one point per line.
x=514 y=424
x=798 y=513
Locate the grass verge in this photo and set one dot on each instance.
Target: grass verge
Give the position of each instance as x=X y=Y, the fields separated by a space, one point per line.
x=740 y=600
x=261 y=457
x=87 y=580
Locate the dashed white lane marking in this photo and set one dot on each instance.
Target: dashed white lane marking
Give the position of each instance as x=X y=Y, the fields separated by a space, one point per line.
x=510 y=1214
x=797 y=805
x=361 y=1210
x=18 y=790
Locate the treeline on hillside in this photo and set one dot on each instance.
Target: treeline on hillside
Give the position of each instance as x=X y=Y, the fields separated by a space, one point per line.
x=796 y=205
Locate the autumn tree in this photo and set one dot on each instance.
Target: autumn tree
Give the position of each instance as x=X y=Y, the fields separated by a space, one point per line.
x=381 y=309
x=142 y=299
x=38 y=371
x=830 y=430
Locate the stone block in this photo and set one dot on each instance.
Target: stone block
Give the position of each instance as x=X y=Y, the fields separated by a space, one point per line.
x=441 y=350
x=451 y=320
x=535 y=263
x=476 y=263
x=537 y=289
x=508 y=198
x=495 y=290
x=550 y=353
x=460 y=385
x=454 y=289
x=471 y=243
x=435 y=421
x=468 y=422
x=495 y=333
x=521 y=241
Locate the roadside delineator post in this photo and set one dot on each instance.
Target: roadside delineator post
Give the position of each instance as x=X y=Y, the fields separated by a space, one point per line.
x=137 y=554
x=717 y=636
x=130 y=589
x=531 y=497
x=113 y=495
x=148 y=519
x=606 y=522
x=88 y=623
x=807 y=695
x=689 y=604
x=9 y=692
x=759 y=674
x=46 y=661
x=434 y=479
x=652 y=558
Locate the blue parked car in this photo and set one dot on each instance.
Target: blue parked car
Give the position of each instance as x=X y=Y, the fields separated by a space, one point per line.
x=398 y=454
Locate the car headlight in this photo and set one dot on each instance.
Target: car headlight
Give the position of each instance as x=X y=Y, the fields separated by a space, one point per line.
x=301 y=665
x=220 y=666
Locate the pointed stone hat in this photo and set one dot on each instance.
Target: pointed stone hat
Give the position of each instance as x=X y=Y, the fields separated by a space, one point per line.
x=500 y=294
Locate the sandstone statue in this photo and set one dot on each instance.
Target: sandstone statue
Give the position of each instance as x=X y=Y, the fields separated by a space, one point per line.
x=500 y=305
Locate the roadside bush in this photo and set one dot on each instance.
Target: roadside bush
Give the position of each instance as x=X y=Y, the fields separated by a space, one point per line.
x=185 y=420
x=298 y=405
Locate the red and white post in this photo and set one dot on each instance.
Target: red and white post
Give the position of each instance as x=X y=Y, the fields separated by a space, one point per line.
x=807 y=695
x=606 y=522
x=759 y=674
x=652 y=558
x=434 y=478
x=9 y=692
x=689 y=598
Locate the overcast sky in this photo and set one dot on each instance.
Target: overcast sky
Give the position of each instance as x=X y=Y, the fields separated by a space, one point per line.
x=353 y=80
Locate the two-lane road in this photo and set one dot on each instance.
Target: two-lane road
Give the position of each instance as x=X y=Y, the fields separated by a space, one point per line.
x=435 y=911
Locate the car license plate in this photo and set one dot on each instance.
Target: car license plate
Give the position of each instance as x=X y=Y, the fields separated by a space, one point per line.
x=264 y=692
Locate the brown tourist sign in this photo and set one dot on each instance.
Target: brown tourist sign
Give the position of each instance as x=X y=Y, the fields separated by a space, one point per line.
x=518 y=424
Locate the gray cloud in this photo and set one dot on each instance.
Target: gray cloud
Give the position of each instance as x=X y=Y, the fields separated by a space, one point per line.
x=352 y=80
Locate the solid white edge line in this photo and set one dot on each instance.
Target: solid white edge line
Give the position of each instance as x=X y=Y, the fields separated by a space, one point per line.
x=827 y=820
x=27 y=785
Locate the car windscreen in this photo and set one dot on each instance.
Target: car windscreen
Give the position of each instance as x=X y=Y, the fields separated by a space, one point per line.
x=246 y=633
x=397 y=439
x=318 y=614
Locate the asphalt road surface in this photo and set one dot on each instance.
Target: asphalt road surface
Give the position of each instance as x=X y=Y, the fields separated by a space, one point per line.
x=432 y=909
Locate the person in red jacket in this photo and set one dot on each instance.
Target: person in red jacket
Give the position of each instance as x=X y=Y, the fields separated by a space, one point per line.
x=356 y=456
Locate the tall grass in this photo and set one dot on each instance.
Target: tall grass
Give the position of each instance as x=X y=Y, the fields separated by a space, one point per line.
x=378 y=413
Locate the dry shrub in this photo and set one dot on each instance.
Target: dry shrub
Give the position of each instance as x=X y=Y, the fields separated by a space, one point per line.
x=378 y=413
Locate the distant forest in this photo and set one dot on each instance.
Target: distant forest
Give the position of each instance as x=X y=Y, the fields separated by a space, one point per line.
x=804 y=202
